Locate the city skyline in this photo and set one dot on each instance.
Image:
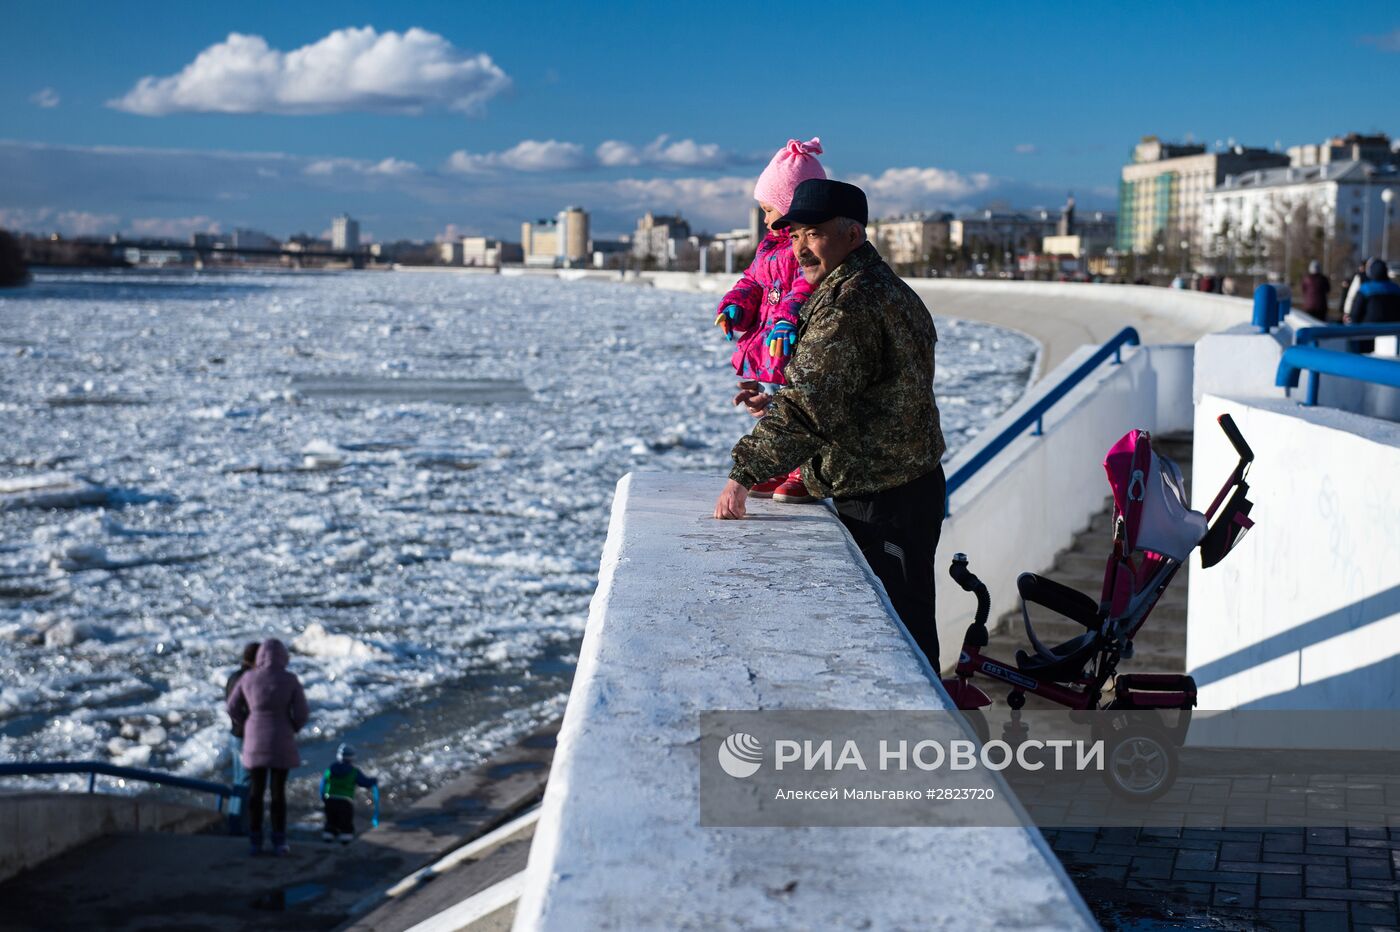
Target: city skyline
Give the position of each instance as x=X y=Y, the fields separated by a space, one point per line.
x=414 y=119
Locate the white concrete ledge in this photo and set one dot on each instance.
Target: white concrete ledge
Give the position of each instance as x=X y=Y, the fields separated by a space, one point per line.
x=1305 y=612
x=776 y=612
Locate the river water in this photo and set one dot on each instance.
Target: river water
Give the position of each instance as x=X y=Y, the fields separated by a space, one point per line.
x=405 y=476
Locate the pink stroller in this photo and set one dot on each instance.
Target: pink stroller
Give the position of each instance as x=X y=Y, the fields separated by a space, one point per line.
x=1154 y=532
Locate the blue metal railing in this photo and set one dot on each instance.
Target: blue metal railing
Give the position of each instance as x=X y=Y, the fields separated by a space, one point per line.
x=1036 y=413
x=1334 y=362
x=93 y=767
x=1310 y=336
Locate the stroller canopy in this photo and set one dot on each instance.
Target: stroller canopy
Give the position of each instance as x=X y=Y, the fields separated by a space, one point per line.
x=1148 y=492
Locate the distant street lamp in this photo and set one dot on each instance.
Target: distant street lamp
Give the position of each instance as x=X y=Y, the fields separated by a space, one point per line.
x=1366 y=213
x=1388 y=197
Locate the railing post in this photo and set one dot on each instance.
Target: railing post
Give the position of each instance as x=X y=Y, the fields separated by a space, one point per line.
x=92 y=781
x=1265 y=308
x=1314 y=378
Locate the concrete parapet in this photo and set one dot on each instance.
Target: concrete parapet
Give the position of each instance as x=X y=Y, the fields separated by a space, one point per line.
x=1305 y=612
x=779 y=611
x=37 y=826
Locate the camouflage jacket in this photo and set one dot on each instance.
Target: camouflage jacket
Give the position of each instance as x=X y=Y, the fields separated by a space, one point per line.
x=858 y=413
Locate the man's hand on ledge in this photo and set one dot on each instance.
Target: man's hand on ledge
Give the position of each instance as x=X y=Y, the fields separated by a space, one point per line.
x=731 y=501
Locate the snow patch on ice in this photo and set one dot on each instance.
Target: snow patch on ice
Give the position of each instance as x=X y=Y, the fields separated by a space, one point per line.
x=316 y=641
x=530 y=562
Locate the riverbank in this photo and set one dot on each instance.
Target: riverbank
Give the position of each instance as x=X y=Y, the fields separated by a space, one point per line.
x=208 y=881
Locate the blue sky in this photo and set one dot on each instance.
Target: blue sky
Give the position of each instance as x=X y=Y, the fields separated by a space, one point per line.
x=481 y=115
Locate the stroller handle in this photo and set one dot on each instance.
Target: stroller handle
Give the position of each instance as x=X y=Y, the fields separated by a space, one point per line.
x=1227 y=424
x=970 y=583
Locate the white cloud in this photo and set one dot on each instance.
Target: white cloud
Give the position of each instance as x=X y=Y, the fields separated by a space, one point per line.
x=389 y=166
x=49 y=220
x=173 y=227
x=350 y=69
x=1026 y=148
x=529 y=155
x=46 y=97
x=615 y=154
x=662 y=152
x=552 y=155
x=898 y=189
x=719 y=202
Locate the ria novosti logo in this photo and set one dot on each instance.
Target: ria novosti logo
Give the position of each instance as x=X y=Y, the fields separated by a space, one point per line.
x=741 y=755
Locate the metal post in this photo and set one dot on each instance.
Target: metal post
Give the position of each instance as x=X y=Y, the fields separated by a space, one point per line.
x=92 y=782
x=729 y=257
x=1313 y=379
x=1387 y=197
x=1366 y=215
x=1265 y=308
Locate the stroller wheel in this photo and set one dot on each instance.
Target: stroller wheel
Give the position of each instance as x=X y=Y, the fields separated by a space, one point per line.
x=1140 y=761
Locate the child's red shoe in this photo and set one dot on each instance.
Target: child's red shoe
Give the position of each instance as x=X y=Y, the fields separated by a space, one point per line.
x=793 y=490
x=767 y=487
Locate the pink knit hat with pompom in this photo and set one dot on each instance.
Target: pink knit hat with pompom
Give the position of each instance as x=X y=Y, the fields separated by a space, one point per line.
x=793 y=164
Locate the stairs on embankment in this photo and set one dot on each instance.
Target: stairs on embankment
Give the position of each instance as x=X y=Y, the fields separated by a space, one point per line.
x=1160 y=646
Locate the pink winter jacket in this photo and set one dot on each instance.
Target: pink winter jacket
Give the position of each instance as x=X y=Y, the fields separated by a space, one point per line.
x=269 y=702
x=772 y=289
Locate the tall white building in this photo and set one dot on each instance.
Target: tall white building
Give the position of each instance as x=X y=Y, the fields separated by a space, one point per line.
x=1340 y=202
x=345 y=234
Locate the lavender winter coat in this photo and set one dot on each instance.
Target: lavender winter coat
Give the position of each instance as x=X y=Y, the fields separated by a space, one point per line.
x=771 y=289
x=270 y=704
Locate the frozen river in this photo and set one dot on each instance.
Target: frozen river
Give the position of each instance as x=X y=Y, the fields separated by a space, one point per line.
x=406 y=477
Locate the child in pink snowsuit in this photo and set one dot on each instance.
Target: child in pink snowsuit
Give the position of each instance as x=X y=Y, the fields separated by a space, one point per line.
x=761 y=309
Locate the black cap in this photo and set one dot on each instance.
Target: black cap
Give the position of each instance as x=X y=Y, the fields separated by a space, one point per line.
x=817 y=200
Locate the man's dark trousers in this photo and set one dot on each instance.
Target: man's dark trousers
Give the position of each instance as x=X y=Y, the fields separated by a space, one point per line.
x=897 y=530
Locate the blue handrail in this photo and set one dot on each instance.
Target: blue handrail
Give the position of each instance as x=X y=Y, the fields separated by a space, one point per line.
x=94 y=767
x=1036 y=414
x=1333 y=362
x=1310 y=336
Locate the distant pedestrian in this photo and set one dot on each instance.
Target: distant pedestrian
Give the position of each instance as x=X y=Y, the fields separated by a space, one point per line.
x=1315 y=287
x=1228 y=286
x=269 y=703
x=761 y=310
x=1377 y=302
x=1207 y=283
x=1349 y=299
x=338 y=794
x=235 y=738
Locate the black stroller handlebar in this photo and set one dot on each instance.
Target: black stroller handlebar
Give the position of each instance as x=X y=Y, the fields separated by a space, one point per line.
x=1227 y=424
x=970 y=583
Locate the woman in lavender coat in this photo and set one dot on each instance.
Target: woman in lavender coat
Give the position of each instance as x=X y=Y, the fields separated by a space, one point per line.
x=269 y=703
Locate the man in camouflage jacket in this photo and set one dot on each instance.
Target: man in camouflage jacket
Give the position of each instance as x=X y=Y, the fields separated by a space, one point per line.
x=858 y=413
